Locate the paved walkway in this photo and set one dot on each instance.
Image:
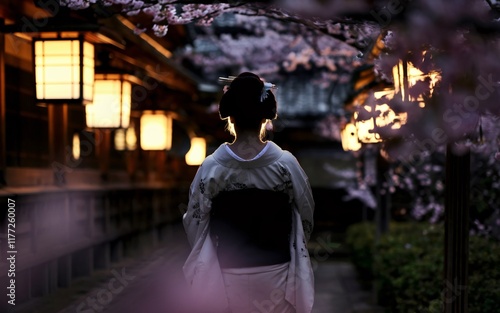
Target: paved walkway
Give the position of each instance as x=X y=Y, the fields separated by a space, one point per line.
x=153 y=284
x=338 y=291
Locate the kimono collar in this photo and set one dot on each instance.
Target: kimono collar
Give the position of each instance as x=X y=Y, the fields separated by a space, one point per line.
x=273 y=153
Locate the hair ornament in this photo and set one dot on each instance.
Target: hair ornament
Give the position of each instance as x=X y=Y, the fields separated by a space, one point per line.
x=265 y=89
x=226 y=80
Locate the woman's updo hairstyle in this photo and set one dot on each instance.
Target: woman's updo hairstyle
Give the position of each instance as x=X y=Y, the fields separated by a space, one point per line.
x=242 y=101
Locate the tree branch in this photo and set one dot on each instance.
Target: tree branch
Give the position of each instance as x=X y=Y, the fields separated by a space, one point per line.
x=320 y=26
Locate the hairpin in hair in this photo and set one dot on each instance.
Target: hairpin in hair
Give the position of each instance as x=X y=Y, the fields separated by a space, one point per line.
x=226 y=80
x=263 y=95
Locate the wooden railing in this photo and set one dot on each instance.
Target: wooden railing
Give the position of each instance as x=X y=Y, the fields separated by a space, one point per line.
x=65 y=233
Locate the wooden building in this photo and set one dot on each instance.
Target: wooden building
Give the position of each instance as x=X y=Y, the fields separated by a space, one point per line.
x=82 y=197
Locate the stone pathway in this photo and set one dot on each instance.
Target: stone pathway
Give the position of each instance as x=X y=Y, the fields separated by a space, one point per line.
x=338 y=291
x=154 y=284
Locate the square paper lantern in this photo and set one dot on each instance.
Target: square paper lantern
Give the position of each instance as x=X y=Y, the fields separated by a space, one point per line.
x=156 y=131
x=112 y=102
x=64 y=70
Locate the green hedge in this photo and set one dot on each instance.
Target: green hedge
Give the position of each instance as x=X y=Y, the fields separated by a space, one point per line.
x=407 y=263
x=484 y=275
x=360 y=240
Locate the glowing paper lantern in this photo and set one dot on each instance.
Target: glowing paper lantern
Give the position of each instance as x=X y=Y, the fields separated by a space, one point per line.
x=76 y=146
x=125 y=139
x=120 y=139
x=130 y=138
x=156 y=131
x=112 y=102
x=365 y=128
x=197 y=153
x=406 y=75
x=349 y=138
x=381 y=116
x=64 y=70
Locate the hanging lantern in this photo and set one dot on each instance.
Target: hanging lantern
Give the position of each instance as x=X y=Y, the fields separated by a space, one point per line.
x=365 y=127
x=406 y=75
x=197 y=153
x=373 y=112
x=349 y=138
x=130 y=138
x=76 y=146
x=112 y=102
x=125 y=139
x=156 y=131
x=381 y=115
x=386 y=115
x=120 y=139
x=64 y=70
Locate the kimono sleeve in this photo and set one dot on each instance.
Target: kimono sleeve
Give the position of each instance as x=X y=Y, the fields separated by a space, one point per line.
x=305 y=203
x=303 y=197
x=196 y=218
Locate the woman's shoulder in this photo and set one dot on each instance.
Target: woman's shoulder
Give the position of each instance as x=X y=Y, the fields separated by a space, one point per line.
x=290 y=161
x=213 y=159
x=285 y=155
x=209 y=162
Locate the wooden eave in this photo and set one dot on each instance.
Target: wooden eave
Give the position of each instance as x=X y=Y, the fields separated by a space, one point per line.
x=116 y=32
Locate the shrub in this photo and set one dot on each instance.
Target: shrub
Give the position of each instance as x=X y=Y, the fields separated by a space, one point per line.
x=407 y=266
x=484 y=275
x=399 y=261
x=419 y=283
x=484 y=278
x=360 y=239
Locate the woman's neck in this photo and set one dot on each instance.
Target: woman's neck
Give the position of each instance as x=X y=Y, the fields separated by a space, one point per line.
x=247 y=145
x=248 y=137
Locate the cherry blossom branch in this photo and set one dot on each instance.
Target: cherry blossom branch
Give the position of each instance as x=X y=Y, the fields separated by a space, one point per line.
x=165 y=13
x=333 y=28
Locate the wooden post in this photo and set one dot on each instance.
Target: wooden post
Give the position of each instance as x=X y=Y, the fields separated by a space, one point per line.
x=456 y=244
x=3 y=109
x=58 y=141
x=103 y=150
x=161 y=159
x=131 y=164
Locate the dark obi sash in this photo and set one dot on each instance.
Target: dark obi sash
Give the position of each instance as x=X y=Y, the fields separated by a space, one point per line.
x=251 y=227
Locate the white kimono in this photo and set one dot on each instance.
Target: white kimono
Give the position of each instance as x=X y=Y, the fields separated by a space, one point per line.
x=275 y=169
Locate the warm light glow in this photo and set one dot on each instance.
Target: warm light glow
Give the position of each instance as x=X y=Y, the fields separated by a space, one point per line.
x=76 y=146
x=120 y=139
x=111 y=105
x=156 y=131
x=386 y=93
x=413 y=76
x=365 y=130
x=125 y=139
x=197 y=153
x=130 y=138
x=383 y=116
x=405 y=76
x=64 y=70
x=349 y=138
x=398 y=76
x=387 y=116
